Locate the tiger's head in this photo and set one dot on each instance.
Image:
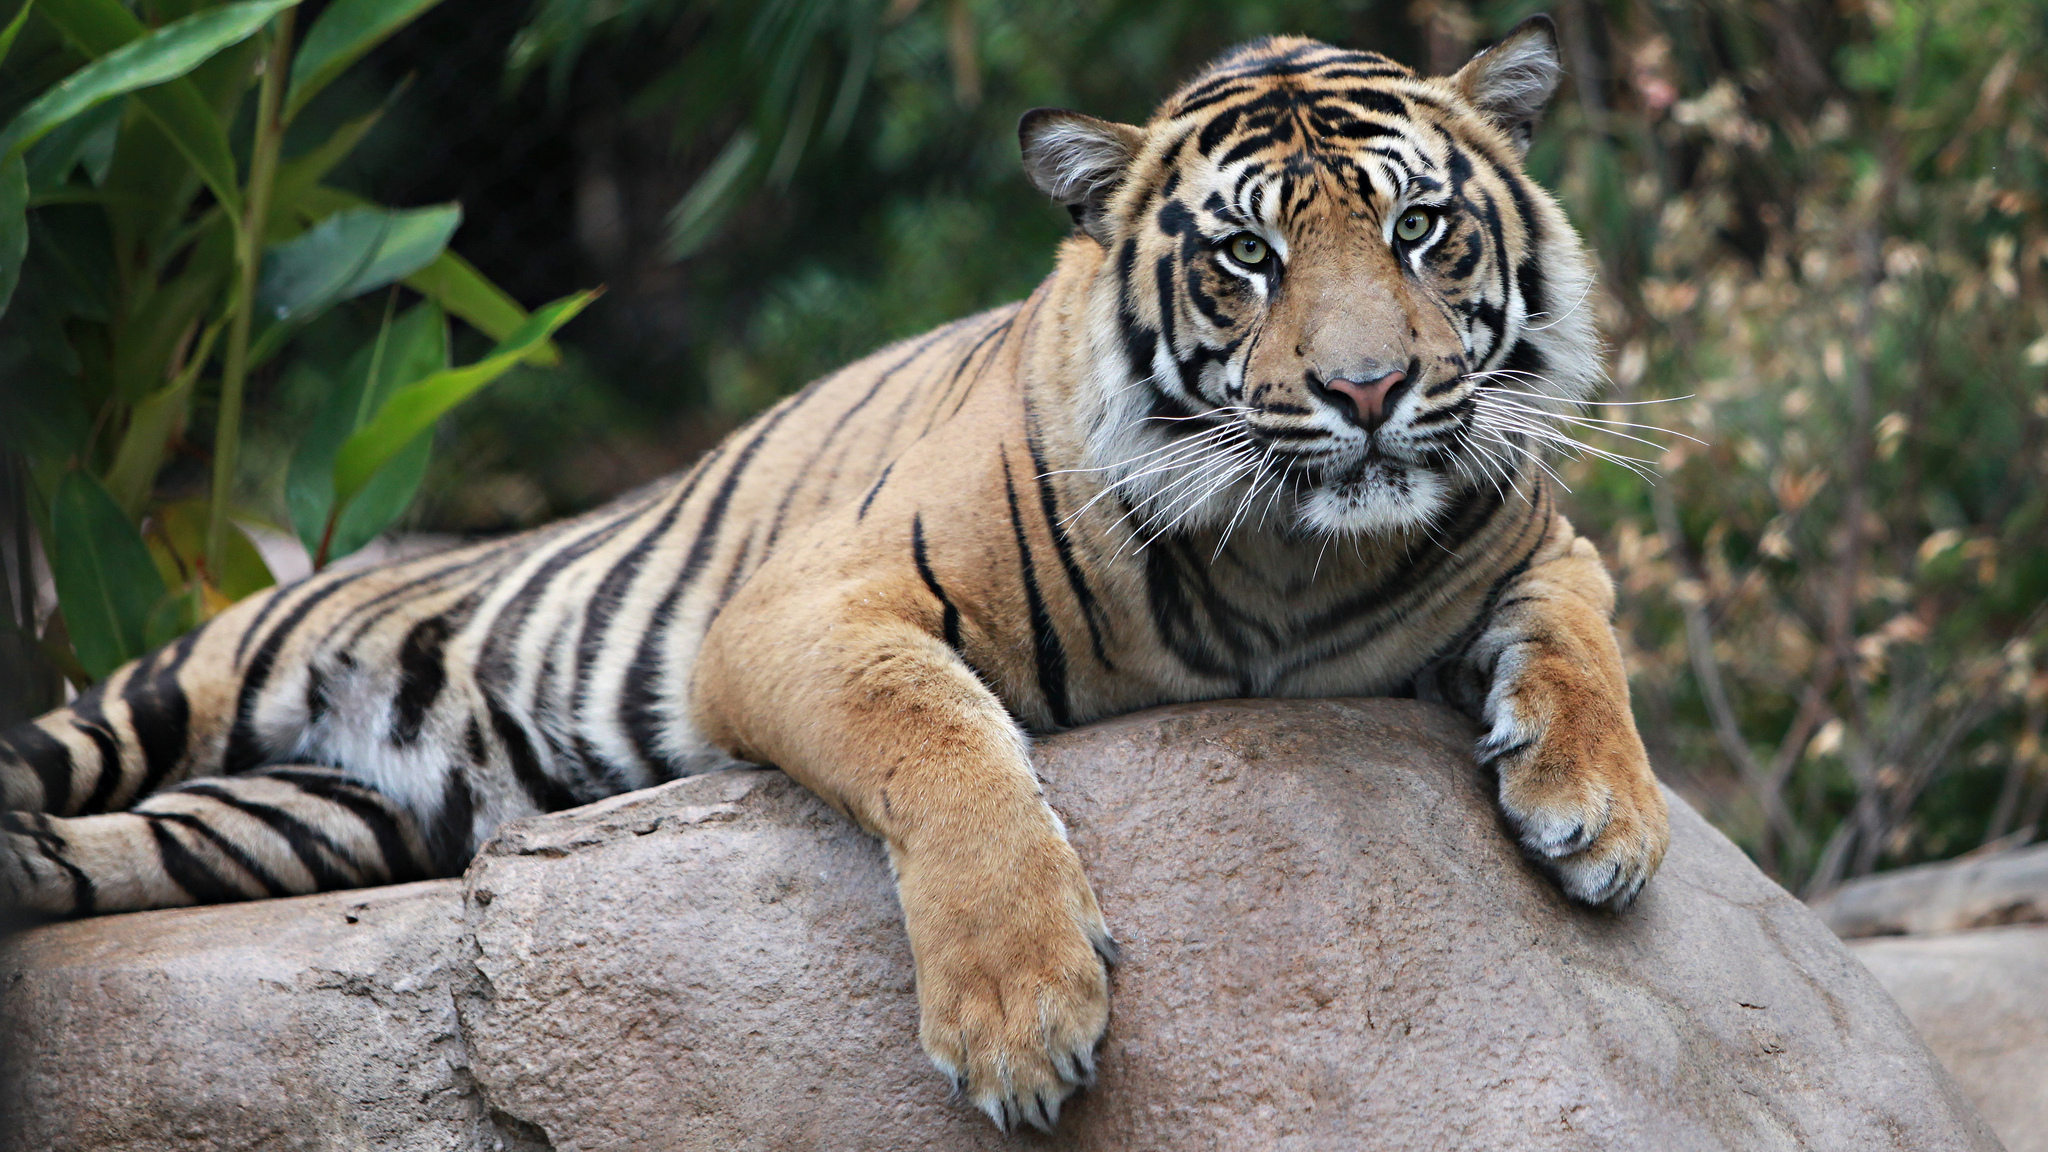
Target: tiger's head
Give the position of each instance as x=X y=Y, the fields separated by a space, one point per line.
x=1326 y=287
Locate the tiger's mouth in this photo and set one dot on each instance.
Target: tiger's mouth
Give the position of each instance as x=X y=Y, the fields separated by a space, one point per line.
x=1355 y=480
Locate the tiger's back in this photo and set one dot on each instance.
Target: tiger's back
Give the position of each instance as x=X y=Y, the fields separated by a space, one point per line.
x=499 y=679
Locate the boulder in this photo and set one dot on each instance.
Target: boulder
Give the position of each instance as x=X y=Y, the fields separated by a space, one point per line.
x=325 y=1022
x=1980 y=999
x=1973 y=892
x=1328 y=942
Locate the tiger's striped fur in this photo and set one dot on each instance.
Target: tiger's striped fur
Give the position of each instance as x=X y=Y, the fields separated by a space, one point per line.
x=1173 y=473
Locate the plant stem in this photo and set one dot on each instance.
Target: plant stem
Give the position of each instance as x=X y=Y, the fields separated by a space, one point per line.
x=269 y=137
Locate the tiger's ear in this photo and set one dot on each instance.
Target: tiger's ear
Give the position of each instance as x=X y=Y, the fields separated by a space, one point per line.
x=1078 y=161
x=1513 y=80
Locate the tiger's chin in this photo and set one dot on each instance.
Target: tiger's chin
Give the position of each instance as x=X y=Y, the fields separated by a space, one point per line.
x=1382 y=496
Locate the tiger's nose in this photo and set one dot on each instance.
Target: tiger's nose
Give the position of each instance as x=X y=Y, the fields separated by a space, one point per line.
x=1369 y=396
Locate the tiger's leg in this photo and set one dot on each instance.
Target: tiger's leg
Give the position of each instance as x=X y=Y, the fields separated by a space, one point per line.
x=1552 y=694
x=282 y=831
x=884 y=721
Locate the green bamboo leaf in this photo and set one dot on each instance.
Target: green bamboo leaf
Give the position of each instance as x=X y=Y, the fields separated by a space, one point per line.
x=409 y=350
x=13 y=28
x=301 y=173
x=413 y=409
x=144 y=62
x=450 y=280
x=347 y=254
x=106 y=582
x=187 y=121
x=346 y=30
x=51 y=161
x=456 y=285
x=13 y=226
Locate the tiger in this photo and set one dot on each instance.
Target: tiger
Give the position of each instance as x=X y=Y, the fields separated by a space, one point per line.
x=1267 y=429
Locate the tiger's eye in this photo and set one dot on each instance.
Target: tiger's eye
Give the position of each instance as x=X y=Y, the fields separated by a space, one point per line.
x=1413 y=225
x=1248 y=249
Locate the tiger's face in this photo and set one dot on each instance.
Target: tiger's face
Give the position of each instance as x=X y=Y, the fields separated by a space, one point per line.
x=1329 y=293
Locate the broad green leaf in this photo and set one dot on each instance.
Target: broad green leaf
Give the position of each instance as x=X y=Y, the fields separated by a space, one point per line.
x=144 y=62
x=13 y=28
x=413 y=409
x=347 y=254
x=13 y=226
x=301 y=173
x=151 y=424
x=155 y=179
x=450 y=280
x=455 y=284
x=100 y=27
x=411 y=349
x=346 y=30
x=50 y=162
x=106 y=582
x=143 y=442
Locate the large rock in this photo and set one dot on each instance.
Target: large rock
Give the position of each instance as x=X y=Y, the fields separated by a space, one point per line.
x=1981 y=1001
x=1328 y=943
x=326 y=1022
x=1974 y=892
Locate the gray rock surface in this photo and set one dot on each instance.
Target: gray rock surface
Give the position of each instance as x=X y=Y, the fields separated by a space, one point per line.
x=1980 y=999
x=1979 y=892
x=324 y=1022
x=1328 y=944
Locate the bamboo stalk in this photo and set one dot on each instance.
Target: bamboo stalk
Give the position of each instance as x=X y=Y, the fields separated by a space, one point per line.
x=269 y=138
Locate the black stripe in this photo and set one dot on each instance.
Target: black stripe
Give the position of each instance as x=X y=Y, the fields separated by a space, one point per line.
x=90 y=717
x=35 y=827
x=645 y=685
x=244 y=753
x=1077 y=582
x=448 y=840
x=545 y=791
x=317 y=700
x=875 y=490
x=255 y=627
x=159 y=715
x=1048 y=653
x=421 y=676
x=50 y=759
x=733 y=578
x=611 y=591
x=264 y=878
x=950 y=615
x=312 y=846
x=400 y=864
x=189 y=872
x=960 y=368
x=495 y=665
x=361 y=618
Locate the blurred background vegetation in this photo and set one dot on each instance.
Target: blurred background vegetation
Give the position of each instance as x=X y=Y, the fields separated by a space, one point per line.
x=1821 y=227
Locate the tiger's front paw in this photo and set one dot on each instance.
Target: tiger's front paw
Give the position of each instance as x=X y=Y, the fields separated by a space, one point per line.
x=1577 y=786
x=1011 y=983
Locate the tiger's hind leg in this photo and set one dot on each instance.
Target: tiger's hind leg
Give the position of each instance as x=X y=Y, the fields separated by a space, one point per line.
x=282 y=831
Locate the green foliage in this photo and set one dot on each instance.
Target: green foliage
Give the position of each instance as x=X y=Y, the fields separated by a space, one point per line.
x=163 y=255
x=144 y=62
x=105 y=577
x=354 y=251
x=413 y=407
x=412 y=348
